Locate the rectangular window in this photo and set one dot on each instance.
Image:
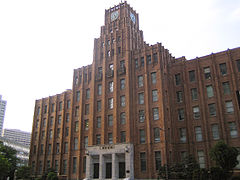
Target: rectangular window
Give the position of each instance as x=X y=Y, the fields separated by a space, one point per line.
x=233 y=129
x=64 y=166
x=226 y=88
x=75 y=145
x=149 y=59
x=56 y=165
x=192 y=76
x=40 y=167
x=141 y=116
x=154 y=77
x=58 y=132
x=158 y=162
x=122 y=101
x=49 y=148
x=87 y=93
x=156 y=132
x=142 y=136
x=155 y=58
x=86 y=109
x=60 y=106
x=84 y=164
x=194 y=94
x=140 y=81
x=155 y=114
x=198 y=133
x=238 y=65
x=209 y=91
x=140 y=98
x=110 y=138
x=154 y=95
x=177 y=79
x=179 y=96
x=110 y=86
x=110 y=103
x=223 y=69
x=207 y=72
x=68 y=104
x=183 y=155
x=215 y=131
x=44 y=122
x=57 y=148
x=59 y=119
x=67 y=117
x=183 y=133
x=99 y=119
x=229 y=107
x=201 y=159
x=53 y=107
x=50 y=134
x=142 y=62
x=48 y=164
x=86 y=124
x=66 y=147
x=66 y=131
x=122 y=84
x=136 y=63
x=76 y=126
x=86 y=141
x=143 y=161
x=110 y=120
x=98 y=139
x=78 y=96
x=99 y=106
x=99 y=89
x=74 y=170
x=123 y=118
x=45 y=109
x=181 y=114
x=212 y=109
x=123 y=136
x=196 y=112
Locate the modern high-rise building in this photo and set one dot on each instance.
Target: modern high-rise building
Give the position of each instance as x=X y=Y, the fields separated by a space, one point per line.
x=136 y=107
x=3 y=104
x=17 y=135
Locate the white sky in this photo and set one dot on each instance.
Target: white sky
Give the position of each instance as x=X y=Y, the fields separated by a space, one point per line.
x=42 y=41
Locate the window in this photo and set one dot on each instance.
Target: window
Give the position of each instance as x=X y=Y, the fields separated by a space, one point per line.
x=207 y=73
x=143 y=161
x=149 y=59
x=86 y=141
x=38 y=110
x=87 y=93
x=56 y=165
x=108 y=53
x=183 y=137
x=201 y=159
x=215 y=131
x=110 y=120
x=64 y=166
x=141 y=98
x=66 y=131
x=140 y=81
x=155 y=114
x=110 y=138
x=154 y=77
x=99 y=106
x=179 y=96
x=45 y=109
x=154 y=95
x=177 y=79
x=238 y=65
x=60 y=106
x=68 y=104
x=110 y=85
x=98 y=139
x=229 y=107
x=75 y=145
x=142 y=61
x=99 y=89
x=34 y=149
x=142 y=136
x=122 y=64
x=141 y=116
x=122 y=101
x=158 y=162
x=66 y=147
x=156 y=132
x=119 y=50
x=59 y=119
x=40 y=167
x=196 y=112
x=110 y=103
x=223 y=69
x=183 y=155
x=194 y=94
x=226 y=88
x=53 y=107
x=74 y=170
x=86 y=124
x=76 y=126
x=78 y=96
x=122 y=84
x=57 y=148
x=49 y=148
x=155 y=58
x=86 y=109
x=198 y=133
x=123 y=118
x=50 y=134
x=136 y=63
x=84 y=164
x=67 y=117
x=111 y=67
x=212 y=109
x=48 y=164
x=123 y=136
x=192 y=76
x=181 y=114
x=209 y=91
x=99 y=119
x=58 y=132
x=233 y=129
x=44 y=122
x=37 y=122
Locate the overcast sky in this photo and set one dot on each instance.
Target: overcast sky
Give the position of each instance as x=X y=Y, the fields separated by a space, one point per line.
x=42 y=41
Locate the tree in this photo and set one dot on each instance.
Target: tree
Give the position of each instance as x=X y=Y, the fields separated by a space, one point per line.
x=4 y=166
x=225 y=157
x=52 y=176
x=23 y=172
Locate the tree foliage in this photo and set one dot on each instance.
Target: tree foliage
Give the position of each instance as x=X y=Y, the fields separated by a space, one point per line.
x=4 y=166
x=23 y=172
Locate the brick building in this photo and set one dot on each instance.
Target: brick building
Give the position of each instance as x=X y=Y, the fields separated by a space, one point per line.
x=136 y=107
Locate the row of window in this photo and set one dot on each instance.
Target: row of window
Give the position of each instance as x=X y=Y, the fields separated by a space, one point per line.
x=207 y=73
x=60 y=106
x=140 y=79
x=140 y=62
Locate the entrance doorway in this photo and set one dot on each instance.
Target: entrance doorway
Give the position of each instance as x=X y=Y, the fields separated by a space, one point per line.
x=122 y=170
x=96 y=170
x=108 y=170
